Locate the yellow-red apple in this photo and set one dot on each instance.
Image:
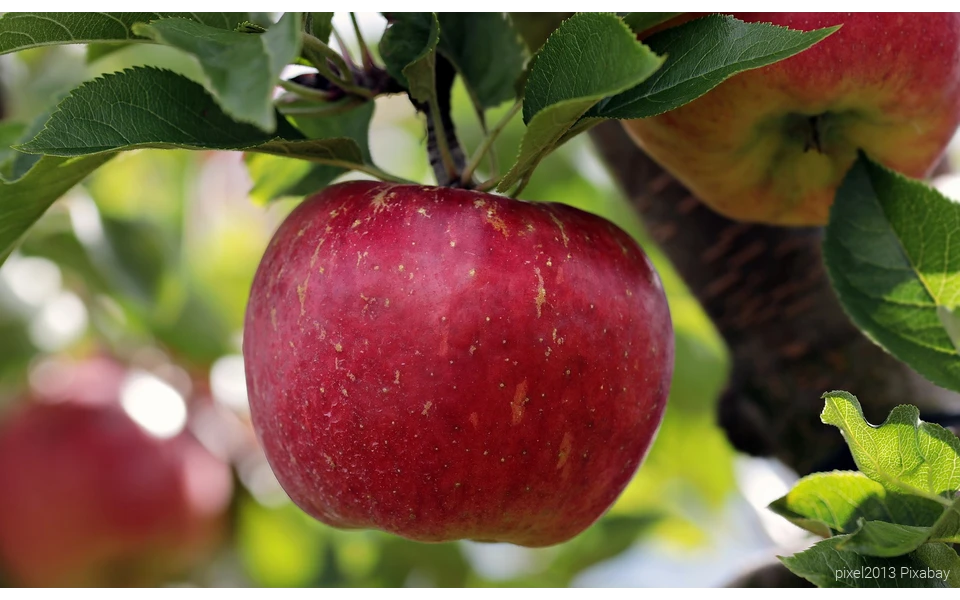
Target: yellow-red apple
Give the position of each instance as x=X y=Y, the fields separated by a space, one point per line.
x=771 y=145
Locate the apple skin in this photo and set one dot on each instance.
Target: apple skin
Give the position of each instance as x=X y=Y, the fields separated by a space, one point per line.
x=91 y=499
x=446 y=364
x=888 y=83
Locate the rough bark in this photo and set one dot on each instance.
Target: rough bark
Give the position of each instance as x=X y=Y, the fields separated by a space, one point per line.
x=766 y=290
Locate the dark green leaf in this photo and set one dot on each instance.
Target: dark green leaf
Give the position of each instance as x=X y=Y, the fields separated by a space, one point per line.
x=409 y=51
x=893 y=257
x=947 y=527
x=321 y=26
x=535 y=27
x=877 y=538
x=575 y=62
x=642 y=21
x=573 y=71
x=829 y=503
x=486 y=52
x=904 y=454
x=700 y=55
x=24 y=201
x=19 y=31
x=274 y=177
x=825 y=565
x=241 y=68
x=154 y=108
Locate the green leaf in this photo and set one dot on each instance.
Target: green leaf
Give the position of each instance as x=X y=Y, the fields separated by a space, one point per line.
x=241 y=68
x=642 y=21
x=893 y=257
x=877 y=538
x=836 y=502
x=904 y=454
x=24 y=201
x=487 y=53
x=947 y=527
x=274 y=177
x=535 y=27
x=700 y=55
x=20 y=31
x=409 y=51
x=572 y=72
x=575 y=62
x=321 y=26
x=825 y=565
x=147 y=107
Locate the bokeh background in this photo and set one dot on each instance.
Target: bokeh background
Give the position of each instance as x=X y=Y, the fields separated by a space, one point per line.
x=149 y=262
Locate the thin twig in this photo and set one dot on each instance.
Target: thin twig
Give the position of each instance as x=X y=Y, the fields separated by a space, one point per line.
x=366 y=58
x=487 y=143
x=520 y=186
x=345 y=50
x=487 y=185
x=306 y=91
x=325 y=109
x=369 y=170
x=314 y=49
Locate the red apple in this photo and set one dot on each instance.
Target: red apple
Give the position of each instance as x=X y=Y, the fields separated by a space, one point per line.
x=771 y=145
x=446 y=364
x=90 y=499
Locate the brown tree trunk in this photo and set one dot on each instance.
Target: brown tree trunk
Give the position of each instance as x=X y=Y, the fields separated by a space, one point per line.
x=766 y=290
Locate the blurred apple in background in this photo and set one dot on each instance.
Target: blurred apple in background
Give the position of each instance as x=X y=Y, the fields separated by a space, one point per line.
x=101 y=484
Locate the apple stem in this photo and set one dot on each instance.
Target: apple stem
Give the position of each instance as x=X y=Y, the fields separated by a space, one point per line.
x=814 y=127
x=443 y=147
x=487 y=145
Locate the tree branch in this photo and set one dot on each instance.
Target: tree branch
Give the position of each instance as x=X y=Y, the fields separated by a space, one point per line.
x=766 y=291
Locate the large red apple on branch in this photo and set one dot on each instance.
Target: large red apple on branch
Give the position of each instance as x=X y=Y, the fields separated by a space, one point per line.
x=90 y=498
x=771 y=145
x=445 y=364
